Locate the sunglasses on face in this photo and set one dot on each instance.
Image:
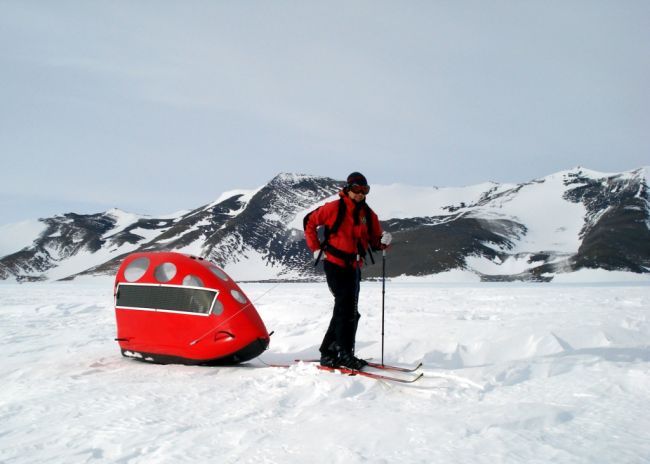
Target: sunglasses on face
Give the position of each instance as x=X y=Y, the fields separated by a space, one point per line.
x=354 y=188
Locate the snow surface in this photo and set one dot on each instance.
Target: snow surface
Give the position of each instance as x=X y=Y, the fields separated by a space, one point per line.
x=513 y=373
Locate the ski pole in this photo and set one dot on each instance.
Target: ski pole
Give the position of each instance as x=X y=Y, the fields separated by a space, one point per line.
x=383 y=297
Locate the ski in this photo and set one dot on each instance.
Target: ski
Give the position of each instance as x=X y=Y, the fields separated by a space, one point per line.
x=389 y=367
x=352 y=372
x=386 y=367
x=371 y=375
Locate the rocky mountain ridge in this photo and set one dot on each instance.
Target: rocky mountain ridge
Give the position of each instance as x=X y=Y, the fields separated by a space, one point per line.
x=531 y=231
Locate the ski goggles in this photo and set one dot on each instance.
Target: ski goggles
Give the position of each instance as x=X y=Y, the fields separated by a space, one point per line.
x=355 y=188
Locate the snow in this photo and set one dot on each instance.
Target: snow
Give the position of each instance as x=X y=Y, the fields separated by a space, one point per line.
x=512 y=265
x=553 y=223
x=252 y=265
x=122 y=219
x=16 y=236
x=195 y=248
x=272 y=217
x=600 y=276
x=84 y=260
x=399 y=201
x=246 y=195
x=451 y=276
x=513 y=373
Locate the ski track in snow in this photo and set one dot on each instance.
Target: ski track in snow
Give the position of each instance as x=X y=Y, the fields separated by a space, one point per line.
x=513 y=373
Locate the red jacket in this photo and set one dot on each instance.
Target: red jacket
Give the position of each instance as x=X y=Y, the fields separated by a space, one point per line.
x=350 y=236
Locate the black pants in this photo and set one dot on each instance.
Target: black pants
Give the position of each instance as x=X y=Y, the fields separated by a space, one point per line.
x=343 y=282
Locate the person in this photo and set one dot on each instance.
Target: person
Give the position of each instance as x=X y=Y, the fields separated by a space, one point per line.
x=351 y=229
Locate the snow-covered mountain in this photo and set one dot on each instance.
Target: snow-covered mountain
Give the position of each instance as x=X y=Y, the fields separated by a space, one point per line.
x=532 y=231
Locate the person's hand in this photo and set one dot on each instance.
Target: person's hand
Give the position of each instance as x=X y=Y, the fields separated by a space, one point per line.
x=386 y=238
x=316 y=253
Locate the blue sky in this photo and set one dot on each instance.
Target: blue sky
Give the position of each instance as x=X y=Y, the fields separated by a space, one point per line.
x=157 y=106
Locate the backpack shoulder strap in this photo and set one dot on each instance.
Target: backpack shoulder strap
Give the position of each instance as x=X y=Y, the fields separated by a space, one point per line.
x=368 y=213
x=340 y=214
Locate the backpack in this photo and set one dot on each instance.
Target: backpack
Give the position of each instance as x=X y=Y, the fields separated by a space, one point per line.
x=333 y=229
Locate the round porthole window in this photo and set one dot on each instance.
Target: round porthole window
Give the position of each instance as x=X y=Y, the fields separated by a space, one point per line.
x=136 y=269
x=237 y=295
x=219 y=273
x=165 y=272
x=217 y=308
x=192 y=281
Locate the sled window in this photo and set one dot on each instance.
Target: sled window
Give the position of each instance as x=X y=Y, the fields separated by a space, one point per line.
x=192 y=281
x=217 y=309
x=165 y=272
x=136 y=269
x=165 y=298
x=219 y=273
x=238 y=296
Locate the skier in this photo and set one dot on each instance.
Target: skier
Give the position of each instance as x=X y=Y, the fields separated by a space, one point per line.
x=351 y=228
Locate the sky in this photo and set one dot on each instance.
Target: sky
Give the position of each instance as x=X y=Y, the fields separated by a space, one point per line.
x=159 y=106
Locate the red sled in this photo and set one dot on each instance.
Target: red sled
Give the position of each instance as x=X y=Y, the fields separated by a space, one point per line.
x=176 y=308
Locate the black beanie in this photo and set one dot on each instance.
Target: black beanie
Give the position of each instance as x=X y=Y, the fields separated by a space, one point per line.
x=357 y=178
